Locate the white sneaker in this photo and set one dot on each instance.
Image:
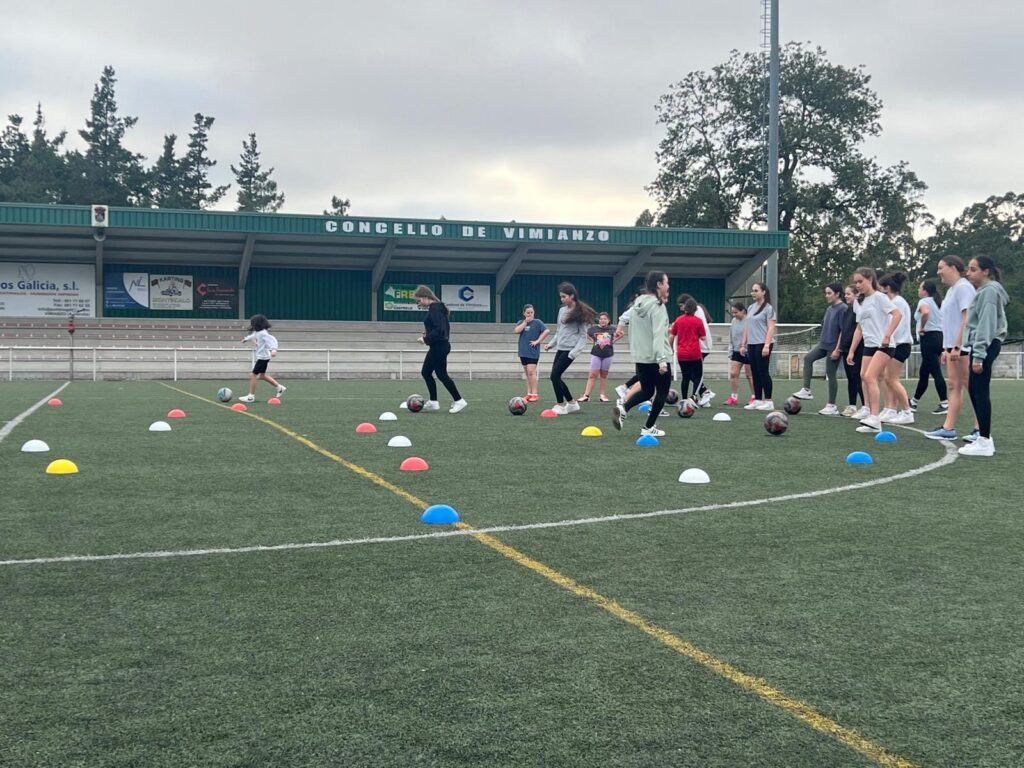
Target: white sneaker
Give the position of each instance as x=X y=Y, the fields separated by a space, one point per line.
x=572 y=408
x=621 y=392
x=829 y=410
x=559 y=408
x=887 y=415
x=804 y=394
x=618 y=416
x=458 y=405
x=983 y=446
x=863 y=413
x=870 y=424
x=247 y=399
x=431 y=405
x=280 y=390
x=706 y=398
x=653 y=432
x=766 y=405
x=902 y=418
x=849 y=410
x=752 y=405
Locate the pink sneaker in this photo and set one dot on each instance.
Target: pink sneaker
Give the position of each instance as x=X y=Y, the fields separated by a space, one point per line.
x=732 y=401
x=752 y=400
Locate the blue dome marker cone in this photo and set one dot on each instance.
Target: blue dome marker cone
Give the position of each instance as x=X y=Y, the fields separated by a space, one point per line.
x=439 y=514
x=885 y=437
x=647 y=440
x=859 y=457
x=644 y=408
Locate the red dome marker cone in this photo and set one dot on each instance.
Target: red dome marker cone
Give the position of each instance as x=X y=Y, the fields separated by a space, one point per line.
x=54 y=401
x=548 y=413
x=176 y=413
x=274 y=401
x=414 y=464
x=366 y=427
x=239 y=407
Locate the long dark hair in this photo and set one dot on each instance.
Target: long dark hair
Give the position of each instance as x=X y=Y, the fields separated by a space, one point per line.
x=985 y=263
x=581 y=312
x=767 y=298
x=933 y=292
x=894 y=281
x=954 y=261
x=258 y=323
x=651 y=281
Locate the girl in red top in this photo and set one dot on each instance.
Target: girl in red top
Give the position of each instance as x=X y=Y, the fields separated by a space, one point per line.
x=688 y=330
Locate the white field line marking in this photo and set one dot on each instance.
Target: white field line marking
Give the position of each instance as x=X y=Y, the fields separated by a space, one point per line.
x=10 y=425
x=949 y=458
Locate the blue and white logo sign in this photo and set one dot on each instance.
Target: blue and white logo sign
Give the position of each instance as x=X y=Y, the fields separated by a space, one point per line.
x=467 y=298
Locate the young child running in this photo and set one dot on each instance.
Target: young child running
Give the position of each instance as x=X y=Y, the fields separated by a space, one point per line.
x=986 y=331
x=688 y=330
x=266 y=348
x=876 y=325
x=603 y=336
x=531 y=333
x=737 y=360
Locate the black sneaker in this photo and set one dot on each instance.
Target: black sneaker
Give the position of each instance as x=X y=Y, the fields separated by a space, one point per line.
x=913 y=405
x=941 y=409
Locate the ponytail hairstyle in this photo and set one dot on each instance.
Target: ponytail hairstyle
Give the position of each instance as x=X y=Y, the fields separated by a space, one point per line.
x=739 y=306
x=894 y=281
x=690 y=307
x=767 y=298
x=954 y=261
x=929 y=287
x=986 y=264
x=868 y=274
x=581 y=312
x=651 y=281
x=258 y=323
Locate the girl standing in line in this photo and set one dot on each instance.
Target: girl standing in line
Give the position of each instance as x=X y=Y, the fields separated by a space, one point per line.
x=899 y=411
x=929 y=334
x=986 y=331
x=831 y=326
x=570 y=339
x=531 y=333
x=688 y=330
x=603 y=336
x=876 y=324
x=436 y=330
x=737 y=361
x=955 y=353
x=853 y=383
x=266 y=348
x=757 y=346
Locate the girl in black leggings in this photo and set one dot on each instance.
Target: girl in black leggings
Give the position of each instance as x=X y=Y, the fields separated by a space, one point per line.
x=929 y=334
x=435 y=335
x=853 y=386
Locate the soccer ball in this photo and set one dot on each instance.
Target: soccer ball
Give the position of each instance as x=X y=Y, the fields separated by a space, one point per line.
x=672 y=397
x=686 y=408
x=792 y=405
x=517 y=406
x=224 y=394
x=415 y=403
x=776 y=422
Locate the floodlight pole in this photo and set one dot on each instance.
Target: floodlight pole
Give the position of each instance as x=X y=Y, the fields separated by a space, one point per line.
x=772 y=268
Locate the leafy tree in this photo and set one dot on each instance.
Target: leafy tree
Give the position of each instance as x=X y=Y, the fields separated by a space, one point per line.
x=339 y=207
x=645 y=219
x=14 y=148
x=840 y=207
x=256 y=190
x=107 y=172
x=196 y=189
x=167 y=178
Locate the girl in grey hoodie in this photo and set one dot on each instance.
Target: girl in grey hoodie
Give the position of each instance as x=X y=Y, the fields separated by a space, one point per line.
x=986 y=331
x=574 y=317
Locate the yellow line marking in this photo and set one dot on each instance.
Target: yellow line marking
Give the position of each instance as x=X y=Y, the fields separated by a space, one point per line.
x=799 y=709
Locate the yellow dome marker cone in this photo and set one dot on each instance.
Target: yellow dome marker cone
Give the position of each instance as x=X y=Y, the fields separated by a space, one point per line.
x=591 y=432
x=62 y=467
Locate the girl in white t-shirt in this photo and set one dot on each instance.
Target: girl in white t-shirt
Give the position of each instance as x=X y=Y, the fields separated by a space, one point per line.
x=955 y=356
x=898 y=410
x=877 y=320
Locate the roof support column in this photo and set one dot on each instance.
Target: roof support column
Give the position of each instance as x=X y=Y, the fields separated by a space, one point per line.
x=739 y=276
x=505 y=275
x=379 y=270
x=627 y=273
x=243 y=273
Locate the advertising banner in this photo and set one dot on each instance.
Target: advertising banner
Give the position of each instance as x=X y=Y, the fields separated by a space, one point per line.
x=467 y=298
x=126 y=290
x=47 y=290
x=399 y=297
x=170 y=293
x=216 y=295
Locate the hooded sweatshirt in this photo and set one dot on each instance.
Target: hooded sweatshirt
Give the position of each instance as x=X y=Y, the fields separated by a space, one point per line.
x=648 y=331
x=986 y=318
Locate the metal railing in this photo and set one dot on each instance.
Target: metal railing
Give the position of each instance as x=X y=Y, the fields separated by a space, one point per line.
x=97 y=363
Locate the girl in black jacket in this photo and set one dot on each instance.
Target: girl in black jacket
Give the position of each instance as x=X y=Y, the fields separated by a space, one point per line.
x=853 y=387
x=435 y=336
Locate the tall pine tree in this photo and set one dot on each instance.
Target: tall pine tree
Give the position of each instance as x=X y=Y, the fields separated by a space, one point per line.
x=197 y=191
x=339 y=207
x=167 y=177
x=14 y=148
x=256 y=190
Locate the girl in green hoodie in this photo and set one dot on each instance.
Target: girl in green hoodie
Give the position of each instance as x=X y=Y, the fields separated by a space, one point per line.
x=986 y=331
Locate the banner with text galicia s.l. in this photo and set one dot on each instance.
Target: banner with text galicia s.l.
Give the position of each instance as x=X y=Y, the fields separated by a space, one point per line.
x=467 y=298
x=47 y=290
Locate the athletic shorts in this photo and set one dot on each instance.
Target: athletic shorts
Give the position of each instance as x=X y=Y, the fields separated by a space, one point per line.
x=261 y=366
x=736 y=357
x=902 y=353
x=870 y=351
x=600 y=363
x=529 y=360
x=964 y=351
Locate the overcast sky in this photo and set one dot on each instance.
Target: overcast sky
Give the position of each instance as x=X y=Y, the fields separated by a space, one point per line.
x=534 y=111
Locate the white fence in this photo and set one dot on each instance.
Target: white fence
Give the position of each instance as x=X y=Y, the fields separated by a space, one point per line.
x=118 y=363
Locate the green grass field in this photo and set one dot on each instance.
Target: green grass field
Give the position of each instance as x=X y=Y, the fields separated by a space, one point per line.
x=874 y=626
